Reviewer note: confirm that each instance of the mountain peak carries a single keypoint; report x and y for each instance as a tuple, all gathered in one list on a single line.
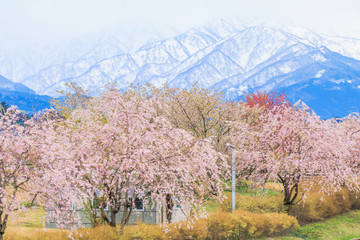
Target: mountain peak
[(229, 55)]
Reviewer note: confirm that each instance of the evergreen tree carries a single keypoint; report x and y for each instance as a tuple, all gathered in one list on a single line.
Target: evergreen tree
[(3, 107)]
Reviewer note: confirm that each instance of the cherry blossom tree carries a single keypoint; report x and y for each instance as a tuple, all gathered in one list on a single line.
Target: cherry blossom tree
[(55, 168), (348, 131), (117, 148), (292, 145), (74, 97), (202, 112), (16, 166)]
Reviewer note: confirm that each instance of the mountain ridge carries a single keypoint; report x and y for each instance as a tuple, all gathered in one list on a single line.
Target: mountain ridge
[(234, 59), (22, 96)]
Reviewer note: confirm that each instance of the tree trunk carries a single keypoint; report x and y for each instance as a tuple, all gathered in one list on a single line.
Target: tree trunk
[(103, 217), (290, 194), (291, 191), (125, 217), (93, 216), (114, 208), (113, 213), (3, 224), (126, 214), (121, 230), (169, 207), (112, 219), (162, 214)]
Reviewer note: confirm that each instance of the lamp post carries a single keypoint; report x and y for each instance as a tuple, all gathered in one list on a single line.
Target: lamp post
[(232, 175)]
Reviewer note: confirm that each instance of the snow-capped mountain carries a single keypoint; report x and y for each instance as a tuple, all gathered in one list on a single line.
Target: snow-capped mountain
[(81, 52), (224, 55)]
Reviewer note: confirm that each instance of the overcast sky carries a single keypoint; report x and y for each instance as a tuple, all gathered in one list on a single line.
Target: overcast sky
[(41, 21)]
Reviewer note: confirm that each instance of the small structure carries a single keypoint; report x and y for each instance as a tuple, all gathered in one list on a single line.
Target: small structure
[(140, 214)]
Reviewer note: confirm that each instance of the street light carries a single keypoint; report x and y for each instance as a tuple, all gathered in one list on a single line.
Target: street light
[(232, 176)]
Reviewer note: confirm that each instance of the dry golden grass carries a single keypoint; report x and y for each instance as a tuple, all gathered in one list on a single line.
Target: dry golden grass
[(341, 227), (260, 204), (25, 233), (274, 186), (30, 225), (142, 231), (33, 218)]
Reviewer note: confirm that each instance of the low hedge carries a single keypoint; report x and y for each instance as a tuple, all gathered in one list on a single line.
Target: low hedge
[(244, 224), (193, 229), (143, 232), (318, 206), (236, 225)]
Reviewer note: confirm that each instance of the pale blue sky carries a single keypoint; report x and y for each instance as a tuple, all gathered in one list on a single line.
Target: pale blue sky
[(41, 21)]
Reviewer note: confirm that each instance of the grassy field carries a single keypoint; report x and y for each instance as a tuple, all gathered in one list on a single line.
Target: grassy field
[(341, 227)]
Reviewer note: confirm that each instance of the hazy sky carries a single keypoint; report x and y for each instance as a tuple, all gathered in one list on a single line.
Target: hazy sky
[(40, 21)]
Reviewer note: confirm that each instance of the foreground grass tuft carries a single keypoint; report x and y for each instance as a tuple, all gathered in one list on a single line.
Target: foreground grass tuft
[(341, 227)]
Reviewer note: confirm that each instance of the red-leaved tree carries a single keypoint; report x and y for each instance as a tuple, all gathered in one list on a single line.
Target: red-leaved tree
[(267, 100)]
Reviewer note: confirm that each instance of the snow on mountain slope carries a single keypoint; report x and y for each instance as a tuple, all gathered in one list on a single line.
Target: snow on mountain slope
[(22, 64), (349, 47), (254, 45), (233, 58), (168, 53), (211, 69), (346, 46)]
